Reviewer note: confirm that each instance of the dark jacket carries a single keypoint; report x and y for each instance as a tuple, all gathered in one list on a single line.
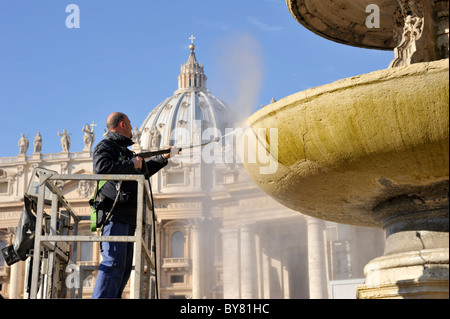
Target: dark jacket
[(112, 156)]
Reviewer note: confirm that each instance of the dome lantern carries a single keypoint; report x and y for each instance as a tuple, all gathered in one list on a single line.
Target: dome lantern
[(192, 76), (183, 118)]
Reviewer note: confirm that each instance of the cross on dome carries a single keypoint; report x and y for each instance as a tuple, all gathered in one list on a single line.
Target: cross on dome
[(192, 46)]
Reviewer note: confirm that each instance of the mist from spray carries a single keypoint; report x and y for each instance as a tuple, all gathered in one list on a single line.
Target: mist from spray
[(250, 246), (239, 73)]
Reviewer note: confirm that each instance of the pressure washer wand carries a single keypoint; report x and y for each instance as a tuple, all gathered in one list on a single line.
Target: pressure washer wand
[(217, 139), (153, 153), (167, 151)]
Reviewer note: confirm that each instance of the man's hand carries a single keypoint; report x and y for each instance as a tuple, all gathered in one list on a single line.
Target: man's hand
[(173, 151), (137, 161)]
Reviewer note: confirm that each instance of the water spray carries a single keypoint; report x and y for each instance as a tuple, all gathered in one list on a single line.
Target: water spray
[(177, 150)]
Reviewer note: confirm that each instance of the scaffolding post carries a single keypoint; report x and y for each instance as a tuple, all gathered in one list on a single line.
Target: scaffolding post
[(48, 242)]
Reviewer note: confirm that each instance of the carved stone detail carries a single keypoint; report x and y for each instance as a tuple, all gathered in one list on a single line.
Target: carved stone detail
[(85, 188), (410, 20), (422, 31)]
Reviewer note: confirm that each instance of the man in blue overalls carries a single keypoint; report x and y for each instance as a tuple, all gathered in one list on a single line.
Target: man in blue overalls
[(112, 156)]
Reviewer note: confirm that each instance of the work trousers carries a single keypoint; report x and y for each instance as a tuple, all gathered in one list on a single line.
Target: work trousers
[(117, 262)]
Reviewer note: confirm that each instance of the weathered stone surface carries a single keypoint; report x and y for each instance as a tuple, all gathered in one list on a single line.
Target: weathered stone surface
[(344, 21), (419, 274), (347, 147), (417, 30)]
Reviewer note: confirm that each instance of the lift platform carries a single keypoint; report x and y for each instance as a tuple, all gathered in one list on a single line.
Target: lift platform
[(54, 270)]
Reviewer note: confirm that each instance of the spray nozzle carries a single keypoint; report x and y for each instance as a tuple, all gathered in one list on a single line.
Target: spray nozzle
[(174, 151)]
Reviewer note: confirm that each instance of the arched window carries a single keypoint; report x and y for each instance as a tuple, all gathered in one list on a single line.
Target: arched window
[(177, 245)]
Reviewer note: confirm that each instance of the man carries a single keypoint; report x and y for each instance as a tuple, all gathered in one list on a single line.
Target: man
[(112, 156)]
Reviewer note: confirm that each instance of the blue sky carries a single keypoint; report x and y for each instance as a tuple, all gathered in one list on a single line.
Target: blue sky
[(126, 56)]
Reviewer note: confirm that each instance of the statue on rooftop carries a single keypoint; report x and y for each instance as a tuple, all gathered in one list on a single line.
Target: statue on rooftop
[(23, 145), (65, 140), (37, 143), (89, 136)]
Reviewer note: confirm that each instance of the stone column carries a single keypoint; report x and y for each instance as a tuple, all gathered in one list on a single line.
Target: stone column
[(14, 281), (285, 269), (231, 286), (316, 259), (247, 263), (197, 284), (266, 274)]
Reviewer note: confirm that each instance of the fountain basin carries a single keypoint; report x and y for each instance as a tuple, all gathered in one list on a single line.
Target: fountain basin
[(344, 21), (347, 147), (417, 30)]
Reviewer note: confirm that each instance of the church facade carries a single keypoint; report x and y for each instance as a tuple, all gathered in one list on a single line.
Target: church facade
[(218, 235)]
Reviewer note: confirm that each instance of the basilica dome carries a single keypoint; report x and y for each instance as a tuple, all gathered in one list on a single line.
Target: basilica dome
[(192, 115)]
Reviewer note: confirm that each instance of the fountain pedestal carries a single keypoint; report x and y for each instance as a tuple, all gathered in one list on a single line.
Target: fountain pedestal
[(371, 150), (416, 260)]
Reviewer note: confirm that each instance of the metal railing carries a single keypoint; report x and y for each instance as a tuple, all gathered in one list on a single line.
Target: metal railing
[(143, 281)]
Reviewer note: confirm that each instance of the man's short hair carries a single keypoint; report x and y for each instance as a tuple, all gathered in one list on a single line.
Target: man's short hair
[(115, 120)]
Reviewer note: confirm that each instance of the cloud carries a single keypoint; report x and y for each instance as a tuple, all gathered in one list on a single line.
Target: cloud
[(264, 26), (240, 71)]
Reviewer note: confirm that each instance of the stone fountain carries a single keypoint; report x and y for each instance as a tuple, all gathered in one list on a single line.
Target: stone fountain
[(371, 150)]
